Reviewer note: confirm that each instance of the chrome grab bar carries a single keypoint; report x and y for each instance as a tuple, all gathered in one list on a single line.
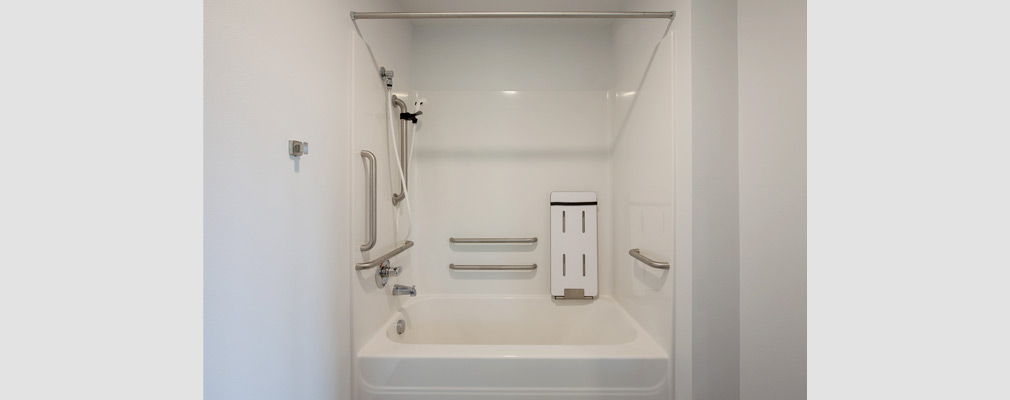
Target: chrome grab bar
[(398, 197), (493, 240), (648, 261), (458, 267), (367, 155), (375, 263)]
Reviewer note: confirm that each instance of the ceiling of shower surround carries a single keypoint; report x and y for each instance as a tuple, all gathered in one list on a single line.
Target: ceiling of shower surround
[(511, 5)]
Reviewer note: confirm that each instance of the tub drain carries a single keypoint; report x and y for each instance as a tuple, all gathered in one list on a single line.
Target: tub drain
[(401, 326)]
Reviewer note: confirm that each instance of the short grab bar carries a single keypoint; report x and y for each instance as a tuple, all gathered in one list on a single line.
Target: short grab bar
[(648, 261), (493, 240), (375, 263), (459, 267)]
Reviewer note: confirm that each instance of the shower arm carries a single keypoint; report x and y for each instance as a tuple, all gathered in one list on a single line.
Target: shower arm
[(398, 197)]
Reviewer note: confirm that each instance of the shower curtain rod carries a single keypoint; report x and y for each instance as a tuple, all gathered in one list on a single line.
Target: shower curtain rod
[(513, 14)]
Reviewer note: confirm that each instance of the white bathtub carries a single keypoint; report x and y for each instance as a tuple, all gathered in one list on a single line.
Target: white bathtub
[(524, 347)]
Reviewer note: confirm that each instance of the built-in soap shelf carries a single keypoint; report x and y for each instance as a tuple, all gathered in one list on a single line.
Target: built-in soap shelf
[(492, 267)]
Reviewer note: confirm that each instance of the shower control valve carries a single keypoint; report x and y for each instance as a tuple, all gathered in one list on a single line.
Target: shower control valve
[(383, 273), (387, 271)]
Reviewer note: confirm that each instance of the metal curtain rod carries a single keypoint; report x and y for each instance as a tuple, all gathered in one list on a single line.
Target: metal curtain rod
[(514, 14)]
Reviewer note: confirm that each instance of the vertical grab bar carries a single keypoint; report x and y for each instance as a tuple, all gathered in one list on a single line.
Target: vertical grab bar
[(367, 155), (398, 197)]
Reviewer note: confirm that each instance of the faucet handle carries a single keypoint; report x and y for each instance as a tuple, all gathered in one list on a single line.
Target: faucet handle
[(383, 273)]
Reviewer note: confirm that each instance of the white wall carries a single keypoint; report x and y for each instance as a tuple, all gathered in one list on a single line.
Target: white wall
[(716, 315), (276, 267), (772, 55)]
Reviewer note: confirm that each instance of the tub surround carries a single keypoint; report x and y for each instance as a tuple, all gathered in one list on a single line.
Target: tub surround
[(504, 127)]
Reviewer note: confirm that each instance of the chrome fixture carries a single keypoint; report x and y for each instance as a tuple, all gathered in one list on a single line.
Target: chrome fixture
[(387, 76), (401, 326), (648, 261), (385, 257), (297, 148), (367, 155), (384, 272), (461, 267), (400, 290), (513, 14), (493, 240)]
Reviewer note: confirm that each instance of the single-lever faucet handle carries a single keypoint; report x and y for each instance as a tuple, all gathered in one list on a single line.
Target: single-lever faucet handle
[(384, 272)]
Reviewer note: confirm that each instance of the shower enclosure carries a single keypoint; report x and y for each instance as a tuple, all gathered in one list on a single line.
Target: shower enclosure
[(514, 109)]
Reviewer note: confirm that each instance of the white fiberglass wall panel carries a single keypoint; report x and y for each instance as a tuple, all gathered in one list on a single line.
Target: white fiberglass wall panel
[(643, 175), (487, 163), (517, 54), (515, 110), (371, 306)]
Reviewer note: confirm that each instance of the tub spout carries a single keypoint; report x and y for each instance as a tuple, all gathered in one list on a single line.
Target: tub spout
[(400, 290)]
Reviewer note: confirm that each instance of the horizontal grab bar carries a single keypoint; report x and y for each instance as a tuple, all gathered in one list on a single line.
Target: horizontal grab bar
[(492, 267), (514, 14), (493, 240), (375, 263), (648, 261)]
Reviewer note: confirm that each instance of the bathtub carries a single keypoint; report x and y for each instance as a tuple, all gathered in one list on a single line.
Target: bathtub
[(525, 347)]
